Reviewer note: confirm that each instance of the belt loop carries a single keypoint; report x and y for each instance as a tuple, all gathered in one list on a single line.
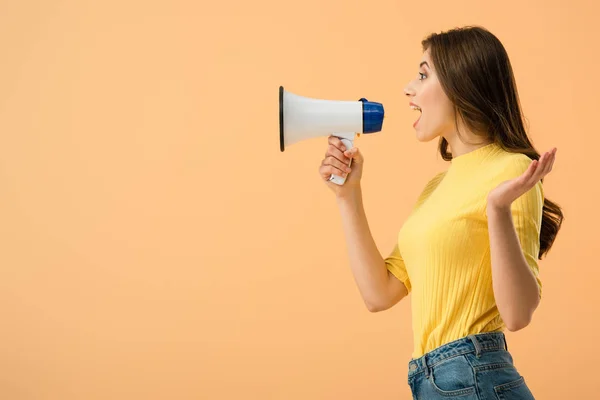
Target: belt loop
[(505, 343), (476, 344), (426, 366)]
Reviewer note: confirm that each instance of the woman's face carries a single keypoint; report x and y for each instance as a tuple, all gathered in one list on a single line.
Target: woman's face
[(436, 110)]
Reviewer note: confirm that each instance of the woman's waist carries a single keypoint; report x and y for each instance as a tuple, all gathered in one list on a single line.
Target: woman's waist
[(473, 343)]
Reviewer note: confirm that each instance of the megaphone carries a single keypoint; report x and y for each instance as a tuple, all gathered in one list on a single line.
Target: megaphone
[(303, 118)]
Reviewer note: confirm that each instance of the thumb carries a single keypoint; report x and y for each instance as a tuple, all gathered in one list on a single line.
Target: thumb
[(355, 154)]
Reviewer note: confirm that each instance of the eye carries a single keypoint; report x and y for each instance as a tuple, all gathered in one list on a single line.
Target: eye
[(422, 76)]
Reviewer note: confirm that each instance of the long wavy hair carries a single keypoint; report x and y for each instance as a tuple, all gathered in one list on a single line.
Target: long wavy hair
[(475, 73)]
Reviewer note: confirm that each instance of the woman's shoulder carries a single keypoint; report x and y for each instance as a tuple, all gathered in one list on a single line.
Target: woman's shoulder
[(513, 164), (434, 182), (430, 186), (437, 177)]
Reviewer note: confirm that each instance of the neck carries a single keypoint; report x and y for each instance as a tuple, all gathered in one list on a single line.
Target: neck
[(459, 148), (472, 160)]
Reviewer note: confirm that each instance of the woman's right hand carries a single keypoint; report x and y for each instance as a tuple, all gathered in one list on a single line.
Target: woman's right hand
[(336, 162)]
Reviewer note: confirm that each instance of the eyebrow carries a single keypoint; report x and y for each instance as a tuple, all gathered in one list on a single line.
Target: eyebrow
[(424, 63)]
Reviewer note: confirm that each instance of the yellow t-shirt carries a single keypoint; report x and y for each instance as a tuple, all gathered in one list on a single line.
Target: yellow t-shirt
[(443, 250)]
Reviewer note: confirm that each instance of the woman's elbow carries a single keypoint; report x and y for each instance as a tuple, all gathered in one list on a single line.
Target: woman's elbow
[(516, 325), (519, 316), (380, 305), (518, 322), (383, 304), (376, 307)]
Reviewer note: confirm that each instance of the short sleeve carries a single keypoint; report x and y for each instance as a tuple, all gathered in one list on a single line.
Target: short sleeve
[(395, 264), (527, 219)]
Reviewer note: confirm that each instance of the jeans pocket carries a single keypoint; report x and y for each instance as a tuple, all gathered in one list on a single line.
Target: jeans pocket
[(515, 390), (453, 377)]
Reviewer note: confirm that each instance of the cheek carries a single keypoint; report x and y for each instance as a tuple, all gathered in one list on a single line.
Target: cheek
[(430, 102), (443, 103), (439, 108), (436, 120)]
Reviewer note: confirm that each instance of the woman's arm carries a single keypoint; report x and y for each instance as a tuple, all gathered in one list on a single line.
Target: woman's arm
[(379, 289), (515, 287)]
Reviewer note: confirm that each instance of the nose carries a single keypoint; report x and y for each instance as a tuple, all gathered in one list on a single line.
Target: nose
[(408, 90)]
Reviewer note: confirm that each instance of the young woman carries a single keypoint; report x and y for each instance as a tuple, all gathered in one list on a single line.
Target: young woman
[(468, 251)]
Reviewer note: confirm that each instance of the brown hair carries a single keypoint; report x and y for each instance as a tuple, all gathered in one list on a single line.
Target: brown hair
[(475, 73)]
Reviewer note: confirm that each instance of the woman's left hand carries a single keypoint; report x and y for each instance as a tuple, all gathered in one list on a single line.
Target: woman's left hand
[(508, 191)]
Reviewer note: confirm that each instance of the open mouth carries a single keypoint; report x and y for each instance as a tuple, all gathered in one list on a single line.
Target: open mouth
[(415, 107)]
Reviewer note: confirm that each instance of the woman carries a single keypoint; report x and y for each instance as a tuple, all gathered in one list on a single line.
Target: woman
[(468, 251)]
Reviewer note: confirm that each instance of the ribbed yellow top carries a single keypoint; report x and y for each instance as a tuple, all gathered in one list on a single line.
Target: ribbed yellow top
[(443, 249)]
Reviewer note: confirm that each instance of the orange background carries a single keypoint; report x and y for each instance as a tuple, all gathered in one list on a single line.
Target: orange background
[(156, 244)]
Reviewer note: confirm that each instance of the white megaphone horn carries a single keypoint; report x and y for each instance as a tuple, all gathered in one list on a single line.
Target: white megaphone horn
[(303, 118)]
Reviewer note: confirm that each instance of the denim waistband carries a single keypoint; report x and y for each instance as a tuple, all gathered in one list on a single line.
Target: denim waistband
[(478, 343)]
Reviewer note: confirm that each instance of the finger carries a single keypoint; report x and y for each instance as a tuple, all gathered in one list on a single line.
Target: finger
[(529, 173), (336, 163), (355, 154), (531, 170), (337, 142), (327, 170), (551, 162), (541, 165), (547, 164), (548, 160), (335, 152)]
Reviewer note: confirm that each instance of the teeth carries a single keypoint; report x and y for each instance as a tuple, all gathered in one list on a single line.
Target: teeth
[(416, 108)]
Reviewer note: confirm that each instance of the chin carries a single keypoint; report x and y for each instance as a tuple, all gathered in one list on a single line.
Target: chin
[(425, 136)]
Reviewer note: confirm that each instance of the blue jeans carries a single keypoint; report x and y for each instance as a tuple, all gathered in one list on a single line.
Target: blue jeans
[(476, 367)]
